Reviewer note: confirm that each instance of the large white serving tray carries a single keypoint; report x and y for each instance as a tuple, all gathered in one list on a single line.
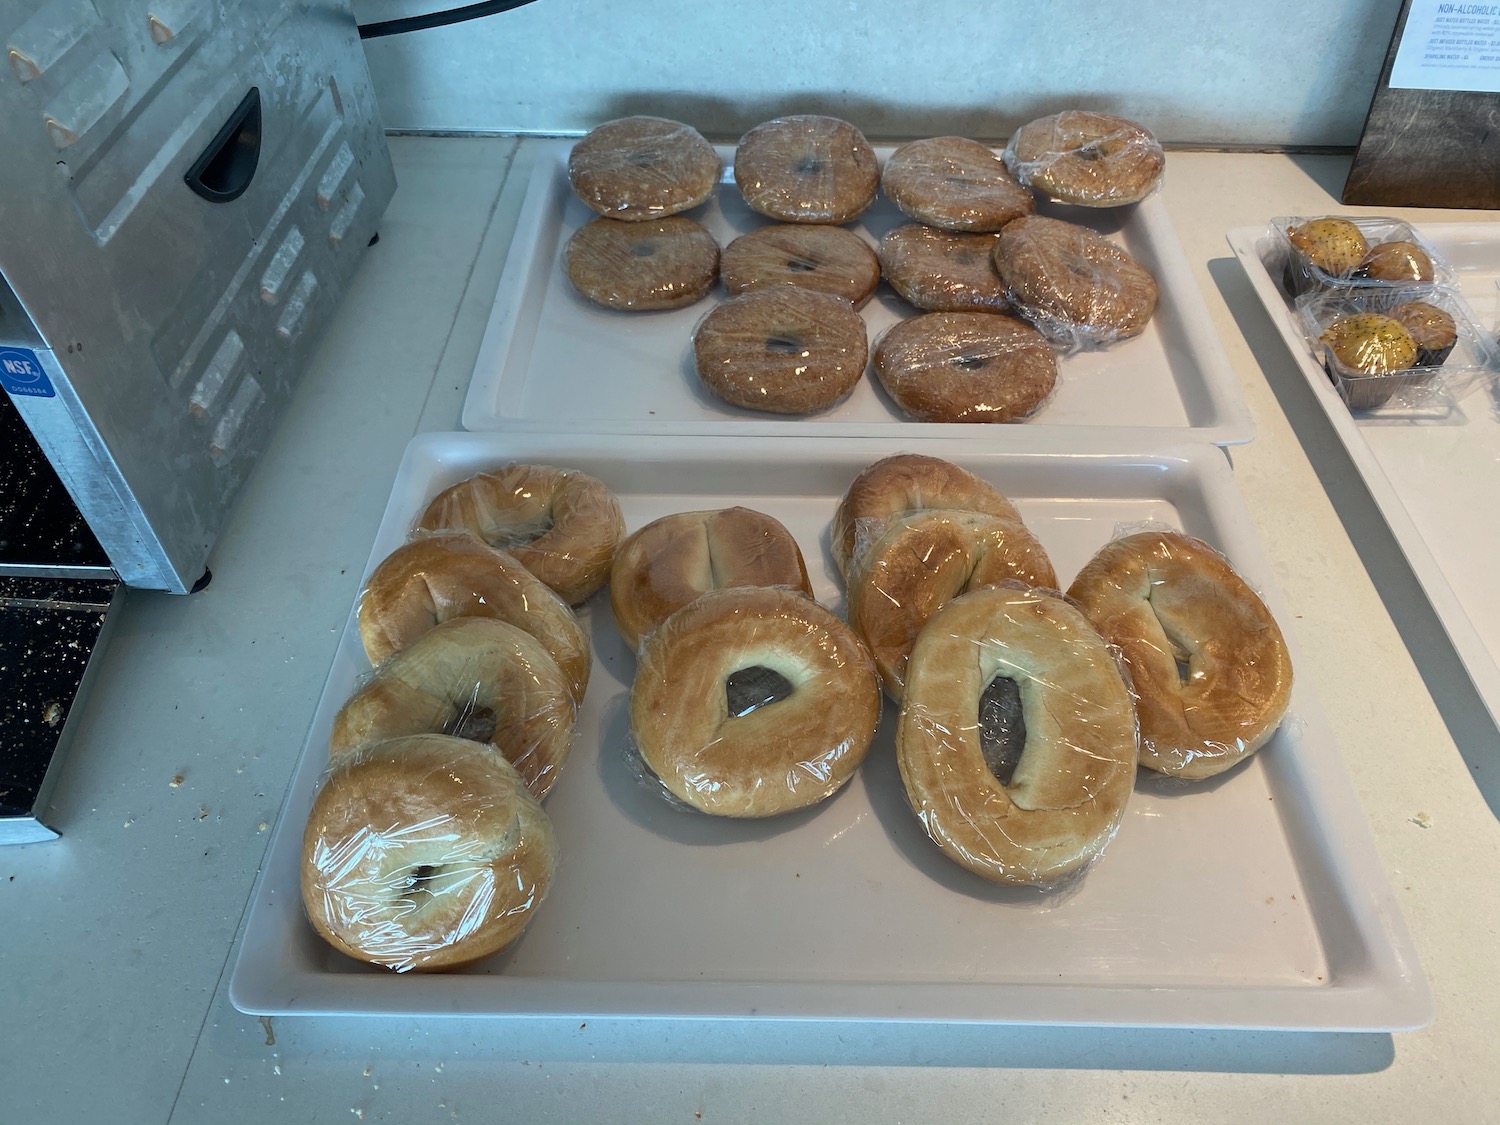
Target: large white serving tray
[(1435, 478), (1255, 900), (552, 360)]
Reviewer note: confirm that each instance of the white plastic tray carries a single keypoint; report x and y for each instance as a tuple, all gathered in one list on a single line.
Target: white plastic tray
[(1425, 473), (553, 361), (1254, 901)]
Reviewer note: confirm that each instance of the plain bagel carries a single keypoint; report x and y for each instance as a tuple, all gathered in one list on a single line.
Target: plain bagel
[(921, 561), (670, 561), (424, 853), (561, 524), (1070, 717), (434, 578), (905, 482), (475, 678), (776, 748), (1209, 663)]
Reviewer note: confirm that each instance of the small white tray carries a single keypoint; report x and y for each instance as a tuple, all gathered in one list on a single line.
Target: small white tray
[(552, 360), (1425, 473), (1253, 901)]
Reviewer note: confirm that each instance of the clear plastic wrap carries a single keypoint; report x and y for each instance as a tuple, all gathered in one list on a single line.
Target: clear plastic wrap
[(907, 567), (825, 259), (807, 168), (1347, 254), (782, 350), (637, 168), (664, 565), (1211, 670), (474, 678), (753, 701), (561, 524), (1399, 349), (1017, 738), (965, 367), (424, 853), (1088, 159), (1078, 288), (955, 184), (442, 575), (943, 270), (637, 267)]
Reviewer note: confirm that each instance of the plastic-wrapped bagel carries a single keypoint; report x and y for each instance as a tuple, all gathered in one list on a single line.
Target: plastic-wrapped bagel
[(636, 168), (1086, 158)]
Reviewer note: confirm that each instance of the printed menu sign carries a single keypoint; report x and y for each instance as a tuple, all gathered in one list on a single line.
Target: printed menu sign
[(1449, 45)]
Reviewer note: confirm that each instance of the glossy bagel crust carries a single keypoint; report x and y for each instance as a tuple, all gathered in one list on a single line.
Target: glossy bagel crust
[(1070, 787), (561, 524), (475, 678), (670, 561), (781, 756), (437, 577), (1208, 661), (424, 853), (905, 482), (925, 559)]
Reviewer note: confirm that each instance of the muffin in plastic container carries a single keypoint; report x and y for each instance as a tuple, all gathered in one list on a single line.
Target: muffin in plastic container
[(1412, 348), (1338, 252)]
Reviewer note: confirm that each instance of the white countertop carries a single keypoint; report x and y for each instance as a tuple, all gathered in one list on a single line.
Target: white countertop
[(119, 938)]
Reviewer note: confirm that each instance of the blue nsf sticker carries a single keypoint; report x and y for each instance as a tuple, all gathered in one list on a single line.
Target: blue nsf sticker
[(21, 373)]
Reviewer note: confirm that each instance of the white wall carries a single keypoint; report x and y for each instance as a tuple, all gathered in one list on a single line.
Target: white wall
[(1253, 72)]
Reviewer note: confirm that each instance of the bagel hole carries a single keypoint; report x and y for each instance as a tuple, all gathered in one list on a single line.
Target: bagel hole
[(801, 265), (641, 160), (473, 722), (643, 249), (749, 689), (1090, 151), (969, 362), (519, 534), (1002, 727), (1184, 668), (808, 166), (420, 880), (783, 345)]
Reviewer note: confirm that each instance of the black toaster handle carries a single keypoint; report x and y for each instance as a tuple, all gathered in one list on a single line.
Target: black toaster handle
[(225, 168)]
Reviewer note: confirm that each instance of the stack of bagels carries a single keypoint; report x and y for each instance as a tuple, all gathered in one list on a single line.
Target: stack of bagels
[(998, 289), (427, 846)]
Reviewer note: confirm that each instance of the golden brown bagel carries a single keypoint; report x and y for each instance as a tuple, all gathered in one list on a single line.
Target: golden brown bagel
[(1068, 791), (437, 577), (561, 524), (955, 184), (636, 168), (1089, 159), (906, 482), (1076, 286), (669, 562), (1208, 661), (475, 678), (781, 755), (925, 559), (424, 853)]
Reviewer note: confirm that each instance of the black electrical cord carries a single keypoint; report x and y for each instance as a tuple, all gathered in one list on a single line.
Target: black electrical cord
[(438, 19)]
